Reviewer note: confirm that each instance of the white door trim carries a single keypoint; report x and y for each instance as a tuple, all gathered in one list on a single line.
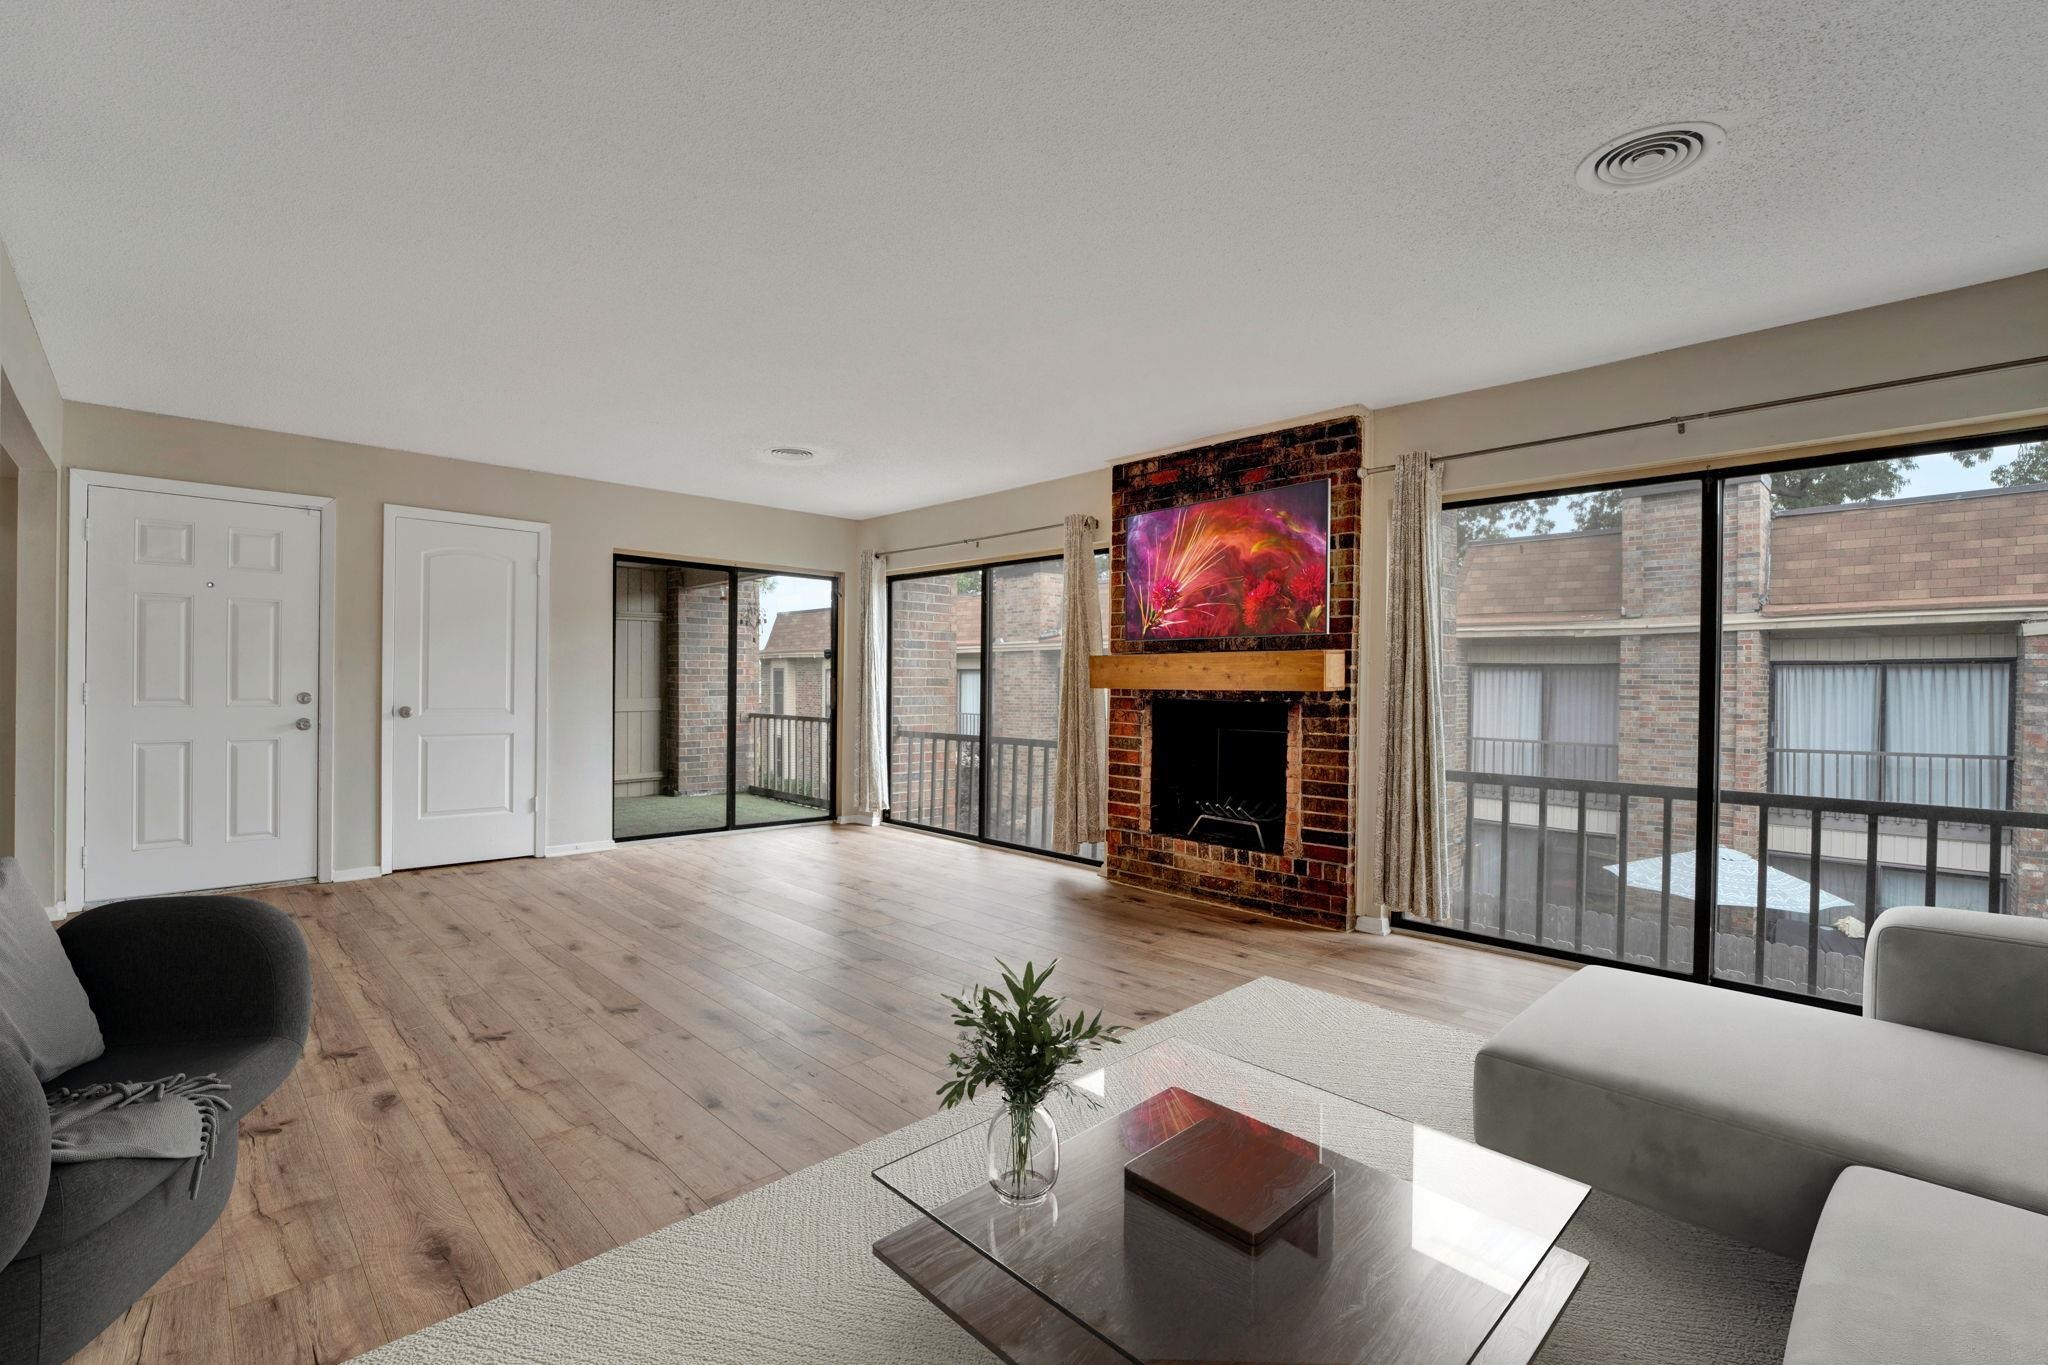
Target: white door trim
[(71, 881), (392, 512)]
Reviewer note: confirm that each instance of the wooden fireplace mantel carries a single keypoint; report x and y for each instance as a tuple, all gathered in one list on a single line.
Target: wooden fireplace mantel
[(1263, 670)]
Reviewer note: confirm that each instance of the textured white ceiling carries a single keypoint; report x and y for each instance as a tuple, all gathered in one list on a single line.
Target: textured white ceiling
[(961, 246)]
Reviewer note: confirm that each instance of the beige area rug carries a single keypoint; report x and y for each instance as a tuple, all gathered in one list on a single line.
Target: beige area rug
[(784, 1273)]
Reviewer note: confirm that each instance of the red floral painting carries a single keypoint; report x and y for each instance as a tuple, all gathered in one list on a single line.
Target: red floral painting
[(1255, 564)]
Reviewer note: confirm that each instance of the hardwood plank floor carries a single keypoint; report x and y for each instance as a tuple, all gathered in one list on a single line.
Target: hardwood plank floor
[(515, 1066)]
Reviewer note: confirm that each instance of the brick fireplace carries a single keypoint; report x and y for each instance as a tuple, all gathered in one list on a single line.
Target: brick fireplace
[(1255, 749)]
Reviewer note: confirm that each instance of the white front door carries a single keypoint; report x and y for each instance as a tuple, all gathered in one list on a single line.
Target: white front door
[(202, 656), (463, 660)]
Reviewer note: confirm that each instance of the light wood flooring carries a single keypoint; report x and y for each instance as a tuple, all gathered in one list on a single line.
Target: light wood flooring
[(515, 1066)]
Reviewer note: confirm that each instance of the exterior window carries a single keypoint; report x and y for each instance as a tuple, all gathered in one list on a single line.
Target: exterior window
[(1545, 720), (970, 699), (974, 721), (1716, 725), (1934, 734)]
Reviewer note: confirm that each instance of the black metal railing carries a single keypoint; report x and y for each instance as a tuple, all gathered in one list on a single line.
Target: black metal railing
[(1545, 758), (935, 780), (790, 757), (1978, 781), (1603, 869)]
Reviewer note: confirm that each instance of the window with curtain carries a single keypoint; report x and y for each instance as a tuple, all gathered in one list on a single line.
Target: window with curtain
[(1545, 720), (1936, 734)]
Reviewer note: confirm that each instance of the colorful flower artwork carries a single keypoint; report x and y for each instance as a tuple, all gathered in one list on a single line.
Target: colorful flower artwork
[(1255, 564)]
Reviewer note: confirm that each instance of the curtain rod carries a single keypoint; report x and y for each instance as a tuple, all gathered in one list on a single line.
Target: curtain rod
[(1680, 422), (973, 540)]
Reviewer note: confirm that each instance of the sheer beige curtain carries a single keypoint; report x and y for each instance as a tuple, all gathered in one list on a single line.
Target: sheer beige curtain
[(1412, 877), (1077, 776), (871, 742)]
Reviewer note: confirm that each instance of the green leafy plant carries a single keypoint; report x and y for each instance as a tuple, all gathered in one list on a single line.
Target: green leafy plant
[(1015, 1041)]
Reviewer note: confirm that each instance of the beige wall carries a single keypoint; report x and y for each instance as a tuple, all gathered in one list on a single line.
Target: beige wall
[(32, 441), (9, 507), (2003, 320), (24, 367), (589, 521), (988, 516)]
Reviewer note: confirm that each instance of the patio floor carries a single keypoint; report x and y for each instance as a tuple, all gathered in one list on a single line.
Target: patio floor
[(633, 816)]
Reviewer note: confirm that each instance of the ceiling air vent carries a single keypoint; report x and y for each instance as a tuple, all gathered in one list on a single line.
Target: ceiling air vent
[(1650, 157), (793, 457)]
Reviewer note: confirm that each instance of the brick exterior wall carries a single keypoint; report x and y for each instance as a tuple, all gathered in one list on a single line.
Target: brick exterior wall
[(1958, 551), (1309, 877), (695, 716), (2029, 891), (1577, 574)]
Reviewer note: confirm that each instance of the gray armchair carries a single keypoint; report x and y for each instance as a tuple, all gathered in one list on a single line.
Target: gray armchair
[(1962, 973), (190, 984)]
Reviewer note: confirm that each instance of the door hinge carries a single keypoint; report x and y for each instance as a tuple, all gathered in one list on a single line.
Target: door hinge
[(532, 804), (81, 855), (85, 529), (85, 694)]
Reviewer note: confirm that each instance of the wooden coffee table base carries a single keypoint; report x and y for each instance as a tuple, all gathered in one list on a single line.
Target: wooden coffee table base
[(1022, 1328)]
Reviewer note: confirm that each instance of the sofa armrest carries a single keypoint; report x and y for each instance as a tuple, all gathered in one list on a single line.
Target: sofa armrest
[(24, 1151), (1960, 972), (191, 968)]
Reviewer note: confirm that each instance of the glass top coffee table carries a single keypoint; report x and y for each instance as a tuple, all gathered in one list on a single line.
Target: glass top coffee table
[(1426, 1248)]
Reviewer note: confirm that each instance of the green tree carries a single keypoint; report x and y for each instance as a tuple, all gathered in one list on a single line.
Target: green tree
[(1836, 484), (2029, 464), (1504, 520)]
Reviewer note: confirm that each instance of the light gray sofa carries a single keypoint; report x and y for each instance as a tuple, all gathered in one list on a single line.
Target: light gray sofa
[(1743, 1114)]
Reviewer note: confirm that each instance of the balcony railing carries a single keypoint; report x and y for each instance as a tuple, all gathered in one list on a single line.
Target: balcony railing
[(1610, 872), (1974, 780), (790, 758), (1546, 758), (935, 780)]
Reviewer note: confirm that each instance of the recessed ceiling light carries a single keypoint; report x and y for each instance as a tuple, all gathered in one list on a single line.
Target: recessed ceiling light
[(1650, 157), (793, 457)]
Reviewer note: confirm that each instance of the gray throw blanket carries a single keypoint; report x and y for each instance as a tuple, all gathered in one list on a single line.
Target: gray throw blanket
[(173, 1117)]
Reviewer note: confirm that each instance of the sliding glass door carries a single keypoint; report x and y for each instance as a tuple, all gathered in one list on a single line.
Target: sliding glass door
[(974, 668), (1837, 662), (724, 697)]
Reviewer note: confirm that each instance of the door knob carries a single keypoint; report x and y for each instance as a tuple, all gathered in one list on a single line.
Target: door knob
[(302, 724), (305, 698), (405, 713)]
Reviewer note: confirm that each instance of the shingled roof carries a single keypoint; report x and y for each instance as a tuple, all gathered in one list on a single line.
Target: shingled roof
[(800, 632)]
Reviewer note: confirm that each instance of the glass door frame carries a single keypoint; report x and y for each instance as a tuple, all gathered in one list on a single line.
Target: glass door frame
[(733, 573), (1709, 803), (986, 658)]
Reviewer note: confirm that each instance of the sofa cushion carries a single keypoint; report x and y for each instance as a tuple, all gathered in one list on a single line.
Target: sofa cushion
[(1902, 1272), (1737, 1113), (85, 1194), (43, 1010)]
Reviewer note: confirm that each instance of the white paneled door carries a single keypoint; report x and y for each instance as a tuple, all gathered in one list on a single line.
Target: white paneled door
[(463, 686), (201, 668)]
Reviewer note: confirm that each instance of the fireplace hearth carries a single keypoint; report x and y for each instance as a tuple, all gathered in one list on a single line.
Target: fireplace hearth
[(1219, 772)]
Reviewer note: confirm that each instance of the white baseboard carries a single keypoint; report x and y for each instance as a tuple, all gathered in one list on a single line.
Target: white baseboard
[(1366, 924), (56, 912), (356, 874), (870, 818), (568, 850)]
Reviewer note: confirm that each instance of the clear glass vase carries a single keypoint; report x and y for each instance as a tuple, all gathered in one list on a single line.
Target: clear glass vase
[(1023, 1154)]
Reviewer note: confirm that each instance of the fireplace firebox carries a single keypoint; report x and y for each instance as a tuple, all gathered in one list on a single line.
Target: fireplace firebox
[(1219, 772)]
